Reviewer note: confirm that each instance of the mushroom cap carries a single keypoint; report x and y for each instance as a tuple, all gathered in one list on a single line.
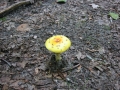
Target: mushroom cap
[(58, 43)]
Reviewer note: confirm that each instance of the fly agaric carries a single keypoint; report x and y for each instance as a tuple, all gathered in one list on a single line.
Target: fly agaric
[(58, 44)]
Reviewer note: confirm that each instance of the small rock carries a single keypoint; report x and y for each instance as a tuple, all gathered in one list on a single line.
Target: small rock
[(14, 64), (81, 38), (72, 47), (94, 6), (35, 37), (101, 50), (12, 46)]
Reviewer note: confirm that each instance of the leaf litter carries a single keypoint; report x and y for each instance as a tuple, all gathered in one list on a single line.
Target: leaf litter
[(94, 6), (94, 53)]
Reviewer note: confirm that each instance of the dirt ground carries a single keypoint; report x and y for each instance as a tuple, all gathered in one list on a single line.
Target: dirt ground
[(95, 49)]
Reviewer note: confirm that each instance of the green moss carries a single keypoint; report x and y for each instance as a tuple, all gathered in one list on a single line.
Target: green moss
[(3, 19)]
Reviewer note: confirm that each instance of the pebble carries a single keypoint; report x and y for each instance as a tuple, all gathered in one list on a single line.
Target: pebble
[(35, 37)]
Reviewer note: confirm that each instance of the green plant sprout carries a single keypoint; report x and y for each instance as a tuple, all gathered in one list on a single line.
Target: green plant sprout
[(114, 15)]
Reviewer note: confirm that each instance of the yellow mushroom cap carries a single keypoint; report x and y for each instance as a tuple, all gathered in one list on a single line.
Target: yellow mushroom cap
[(58, 43)]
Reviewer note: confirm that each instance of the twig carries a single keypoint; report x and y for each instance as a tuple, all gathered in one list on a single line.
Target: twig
[(13, 7), (92, 50), (70, 68), (66, 79), (9, 64), (5, 72)]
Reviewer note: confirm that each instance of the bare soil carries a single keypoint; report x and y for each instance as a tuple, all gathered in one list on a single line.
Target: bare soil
[(95, 49)]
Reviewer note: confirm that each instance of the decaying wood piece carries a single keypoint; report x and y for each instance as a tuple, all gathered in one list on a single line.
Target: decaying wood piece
[(13, 7)]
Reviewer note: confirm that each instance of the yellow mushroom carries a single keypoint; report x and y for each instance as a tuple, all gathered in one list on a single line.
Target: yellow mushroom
[(58, 44)]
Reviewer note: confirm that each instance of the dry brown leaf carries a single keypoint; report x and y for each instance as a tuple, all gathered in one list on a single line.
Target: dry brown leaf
[(15, 84), (23, 28), (4, 79), (36, 70), (5, 87), (79, 68)]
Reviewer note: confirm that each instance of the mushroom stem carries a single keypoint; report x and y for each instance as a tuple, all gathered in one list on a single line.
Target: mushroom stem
[(57, 56)]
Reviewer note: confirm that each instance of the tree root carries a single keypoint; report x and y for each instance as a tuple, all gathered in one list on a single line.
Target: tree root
[(13, 7)]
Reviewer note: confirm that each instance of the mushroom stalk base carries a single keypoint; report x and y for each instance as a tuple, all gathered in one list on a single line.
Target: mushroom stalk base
[(57, 56), (54, 65)]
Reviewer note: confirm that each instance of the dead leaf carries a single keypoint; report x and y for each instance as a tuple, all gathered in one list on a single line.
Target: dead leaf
[(63, 84), (43, 82), (101, 50), (23, 64), (42, 67), (30, 87), (4, 79), (88, 56), (14, 54), (3, 5), (93, 64), (79, 68), (5, 87), (92, 71), (23, 28), (36, 70), (15, 84), (94, 6), (99, 68), (117, 86), (103, 21), (80, 56), (11, 25)]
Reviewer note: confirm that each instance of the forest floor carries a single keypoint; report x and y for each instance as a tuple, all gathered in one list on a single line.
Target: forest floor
[(95, 48)]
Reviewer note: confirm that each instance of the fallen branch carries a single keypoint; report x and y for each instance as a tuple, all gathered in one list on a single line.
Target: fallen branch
[(13, 7)]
